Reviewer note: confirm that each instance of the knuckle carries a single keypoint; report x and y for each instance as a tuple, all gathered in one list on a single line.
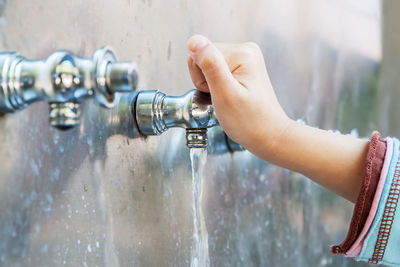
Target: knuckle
[(253, 46), (189, 60), (250, 49), (209, 63), (200, 84)]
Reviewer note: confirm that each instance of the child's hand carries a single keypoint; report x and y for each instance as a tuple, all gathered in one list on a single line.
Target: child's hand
[(242, 94), (249, 112)]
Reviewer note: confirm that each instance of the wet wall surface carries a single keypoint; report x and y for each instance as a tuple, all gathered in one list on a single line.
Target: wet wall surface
[(92, 196)]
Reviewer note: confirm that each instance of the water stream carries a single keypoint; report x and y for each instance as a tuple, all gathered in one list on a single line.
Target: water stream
[(199, 253)]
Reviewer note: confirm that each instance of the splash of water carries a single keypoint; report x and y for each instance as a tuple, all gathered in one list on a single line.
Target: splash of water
[(200, 256)]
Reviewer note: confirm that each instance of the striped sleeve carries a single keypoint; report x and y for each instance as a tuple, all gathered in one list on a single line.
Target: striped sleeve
[(382, 242), (374, 233)]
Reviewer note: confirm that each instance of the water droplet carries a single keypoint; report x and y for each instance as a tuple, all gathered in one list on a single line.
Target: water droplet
[(49, 198), (354, 133), (56, 137), (44, 248), (89, 141)]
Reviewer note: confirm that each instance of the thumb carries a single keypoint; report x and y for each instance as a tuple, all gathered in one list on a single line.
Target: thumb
[(212, 64)]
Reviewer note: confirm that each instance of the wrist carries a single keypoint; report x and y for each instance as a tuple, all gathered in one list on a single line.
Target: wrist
[(272, 139), (282, 137)]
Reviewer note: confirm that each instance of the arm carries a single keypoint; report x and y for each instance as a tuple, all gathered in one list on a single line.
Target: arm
[(335, 161), (251, 115)]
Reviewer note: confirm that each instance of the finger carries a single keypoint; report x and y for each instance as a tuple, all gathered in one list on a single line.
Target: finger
[(212, 64), (198, 78)]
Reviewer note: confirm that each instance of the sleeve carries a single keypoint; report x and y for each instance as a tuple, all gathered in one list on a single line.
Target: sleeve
[(374, 164), (376, 237)]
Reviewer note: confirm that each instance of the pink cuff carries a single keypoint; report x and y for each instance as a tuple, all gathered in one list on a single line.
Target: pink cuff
[(355, 249), (373, 167)]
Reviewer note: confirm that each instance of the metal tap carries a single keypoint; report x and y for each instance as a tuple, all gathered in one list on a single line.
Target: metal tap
[(156, 112), (122, 120), (63, 80)]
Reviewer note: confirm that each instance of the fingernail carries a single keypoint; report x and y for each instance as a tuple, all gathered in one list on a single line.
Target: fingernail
[(197, 42)]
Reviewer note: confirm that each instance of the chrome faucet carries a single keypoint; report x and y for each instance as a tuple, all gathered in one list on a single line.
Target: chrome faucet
[(122, 120), (63, 80), (156, 112)]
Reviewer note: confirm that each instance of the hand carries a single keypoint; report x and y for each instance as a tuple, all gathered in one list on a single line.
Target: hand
[(249, 112), (241, 92)]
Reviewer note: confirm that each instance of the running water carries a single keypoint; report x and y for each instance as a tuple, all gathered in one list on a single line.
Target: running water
[(200, 257)]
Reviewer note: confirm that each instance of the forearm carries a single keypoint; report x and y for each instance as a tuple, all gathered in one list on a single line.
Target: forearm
[(335, 161)]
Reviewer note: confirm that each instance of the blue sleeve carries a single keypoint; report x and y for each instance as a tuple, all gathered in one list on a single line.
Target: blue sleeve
[(382, 243)]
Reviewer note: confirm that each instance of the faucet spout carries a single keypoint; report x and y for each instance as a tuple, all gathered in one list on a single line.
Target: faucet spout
[(196, 138)]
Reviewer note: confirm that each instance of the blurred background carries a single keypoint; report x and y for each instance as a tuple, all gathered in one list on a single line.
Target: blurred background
[(85, 197)]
